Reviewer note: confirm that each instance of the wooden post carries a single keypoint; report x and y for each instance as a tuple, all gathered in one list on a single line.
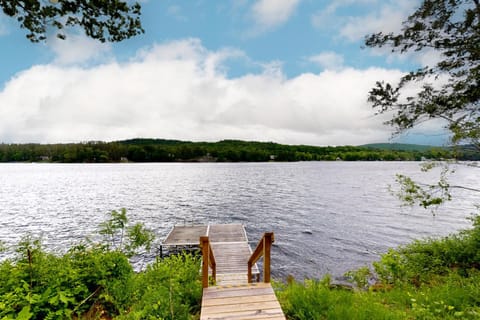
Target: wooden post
[(212, 263), (204, 245), (263, 249), (267, 244)]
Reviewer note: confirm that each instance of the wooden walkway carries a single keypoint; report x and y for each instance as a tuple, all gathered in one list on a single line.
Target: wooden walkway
[(248, 301), (231, 251), (229, 261)]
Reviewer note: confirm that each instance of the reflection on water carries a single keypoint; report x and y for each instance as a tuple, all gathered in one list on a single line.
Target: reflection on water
[(328, 217)]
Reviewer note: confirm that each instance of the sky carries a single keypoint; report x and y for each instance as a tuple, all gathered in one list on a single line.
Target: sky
[(286, 71)]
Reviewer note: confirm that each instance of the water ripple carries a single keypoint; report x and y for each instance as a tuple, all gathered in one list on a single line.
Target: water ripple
[(327, 216)]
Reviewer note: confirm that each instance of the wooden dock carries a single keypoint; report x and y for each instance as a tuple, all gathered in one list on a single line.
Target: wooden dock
[(230, 265), (248, 301)]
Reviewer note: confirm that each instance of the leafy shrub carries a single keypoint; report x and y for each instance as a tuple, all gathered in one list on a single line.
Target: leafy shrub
[(428, 279), (421, 260), (52, 287), (168, 289), (97, 281), (315, 299), (359, 277), (122, 237)]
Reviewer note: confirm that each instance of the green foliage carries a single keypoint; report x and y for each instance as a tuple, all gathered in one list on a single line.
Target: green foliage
[(391, 267), (157, 150), (451, 28), (412, 192), (315, 300), (429, 279), (448, 90), (359, 277), (97, 281), (51, 287), (168, 289), (427, 195), (121, 237), (138, 237), (400, 147), (422, 260), (111, 20)]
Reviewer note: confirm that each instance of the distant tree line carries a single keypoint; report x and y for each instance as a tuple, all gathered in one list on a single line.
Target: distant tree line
[(160, 150)]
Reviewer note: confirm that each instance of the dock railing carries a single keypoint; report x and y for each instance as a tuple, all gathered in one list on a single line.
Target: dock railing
[(263, 249), (208, 260)]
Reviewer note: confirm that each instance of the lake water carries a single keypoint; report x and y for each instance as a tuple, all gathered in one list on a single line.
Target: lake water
[(328, 217)]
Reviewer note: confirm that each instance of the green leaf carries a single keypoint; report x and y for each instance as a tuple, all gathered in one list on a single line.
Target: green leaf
[(25, 314)]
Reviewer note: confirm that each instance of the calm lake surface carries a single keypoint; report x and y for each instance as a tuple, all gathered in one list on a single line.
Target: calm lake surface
[(328, 217)]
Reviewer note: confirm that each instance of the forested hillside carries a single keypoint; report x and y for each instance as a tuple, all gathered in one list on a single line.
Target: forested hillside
[(160, 150)]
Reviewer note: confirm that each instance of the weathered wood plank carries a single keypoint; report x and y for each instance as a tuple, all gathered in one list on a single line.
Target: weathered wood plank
[(231, 258), (236, 293), (235, 300), (256, 301), (263, 317), (242, 286), (227, 233), (185, 235), (244, 315), (232, 278), (241, 307)]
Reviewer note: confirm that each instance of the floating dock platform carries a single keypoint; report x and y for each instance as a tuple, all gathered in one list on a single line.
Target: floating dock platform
[(229, 244)]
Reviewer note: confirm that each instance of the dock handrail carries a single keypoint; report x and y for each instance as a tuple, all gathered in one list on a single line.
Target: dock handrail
[(263, 249), (208, 260)]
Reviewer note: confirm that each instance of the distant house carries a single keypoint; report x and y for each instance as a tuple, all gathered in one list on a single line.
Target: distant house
[(123, 159), (273, 157), (44, 158)]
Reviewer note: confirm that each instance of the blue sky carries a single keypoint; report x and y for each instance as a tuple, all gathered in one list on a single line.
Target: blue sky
[(288, 71)]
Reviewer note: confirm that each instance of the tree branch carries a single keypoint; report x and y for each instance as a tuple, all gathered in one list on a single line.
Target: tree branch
[(465, 188)]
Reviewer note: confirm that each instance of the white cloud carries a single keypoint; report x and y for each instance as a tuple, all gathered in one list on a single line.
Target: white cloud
[(328, 16), (177, 90), (387, 18), (77, 48), (269, 14), (328, 60)]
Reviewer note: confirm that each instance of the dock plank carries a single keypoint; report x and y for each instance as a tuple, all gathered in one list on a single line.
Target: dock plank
[(232, 258), (185, 235), (227, 233), (254, 301)]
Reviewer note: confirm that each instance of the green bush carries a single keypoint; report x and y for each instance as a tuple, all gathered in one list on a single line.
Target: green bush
[(97, 281), (421, 260), (168, 289), (427, 279), (317, 300), (52, 287)]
